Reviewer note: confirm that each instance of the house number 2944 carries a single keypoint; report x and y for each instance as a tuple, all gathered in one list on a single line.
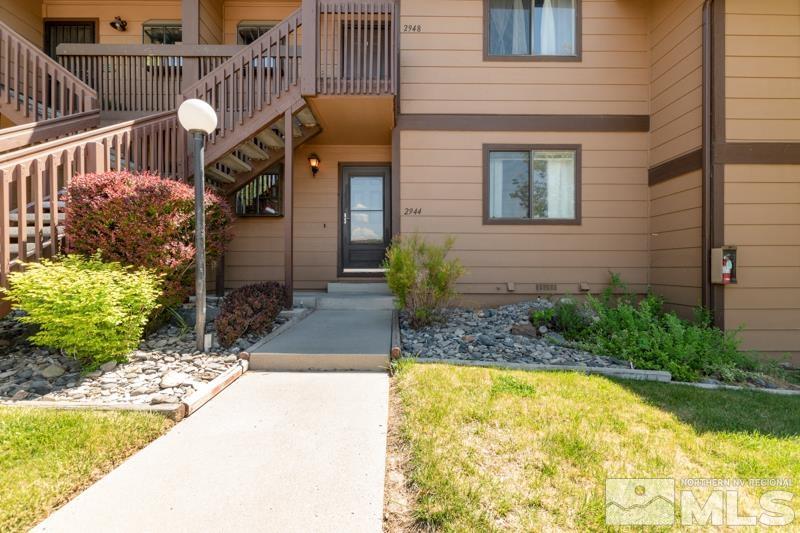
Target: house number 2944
[(412, 211), (412, 28)]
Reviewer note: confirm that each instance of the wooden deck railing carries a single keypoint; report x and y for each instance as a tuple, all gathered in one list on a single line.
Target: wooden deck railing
[(40, 131), (33, 87), (31, 211), (356, 46), (244, 89), (137, 79)]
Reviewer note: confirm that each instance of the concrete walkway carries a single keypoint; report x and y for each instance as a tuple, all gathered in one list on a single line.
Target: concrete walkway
[(278, 452)]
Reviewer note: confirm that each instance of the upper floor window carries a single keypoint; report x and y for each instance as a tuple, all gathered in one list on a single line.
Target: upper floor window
[(532, 184), (248, 31), (162, 33), (533, 29)]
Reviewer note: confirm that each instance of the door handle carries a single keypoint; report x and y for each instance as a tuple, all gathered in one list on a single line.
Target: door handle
[(345, 217)]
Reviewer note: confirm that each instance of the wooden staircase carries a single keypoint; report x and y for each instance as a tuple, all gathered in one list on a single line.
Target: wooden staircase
[(258, 154), (251, 92)]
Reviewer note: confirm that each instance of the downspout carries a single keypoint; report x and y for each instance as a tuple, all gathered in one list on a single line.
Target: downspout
[(708, 156)]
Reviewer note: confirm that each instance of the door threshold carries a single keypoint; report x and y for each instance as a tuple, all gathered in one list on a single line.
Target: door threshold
[(370, 272)]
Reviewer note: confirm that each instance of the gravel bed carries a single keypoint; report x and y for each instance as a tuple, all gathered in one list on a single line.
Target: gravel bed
[(165, 369), (485, 335)]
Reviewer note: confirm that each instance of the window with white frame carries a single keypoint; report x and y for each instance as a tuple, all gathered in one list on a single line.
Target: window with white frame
[(162, 32), (532, 29), (530, 184)]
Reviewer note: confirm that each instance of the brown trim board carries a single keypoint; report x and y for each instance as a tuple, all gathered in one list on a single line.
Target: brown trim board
[(676, 167), (715, 179), (767, 153), (438, 122)]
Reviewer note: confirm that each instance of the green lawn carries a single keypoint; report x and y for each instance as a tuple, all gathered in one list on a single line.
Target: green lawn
[(522, 451), (46, 456)]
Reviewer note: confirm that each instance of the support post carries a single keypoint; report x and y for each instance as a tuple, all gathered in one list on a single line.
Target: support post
[(308, 76), (288, 233), (190, 34), (200, 242), (220, 283), (95, 158)]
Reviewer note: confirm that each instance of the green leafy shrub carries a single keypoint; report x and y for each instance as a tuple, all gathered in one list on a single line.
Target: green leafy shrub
[(566, 316), (542, 317), (614, 324), (421, 277), (249, 309), (91, 310), (653, 339), (147, 221)]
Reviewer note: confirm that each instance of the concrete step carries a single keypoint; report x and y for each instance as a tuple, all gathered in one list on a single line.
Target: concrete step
[(357, 287), (292, 362), (355, 302)]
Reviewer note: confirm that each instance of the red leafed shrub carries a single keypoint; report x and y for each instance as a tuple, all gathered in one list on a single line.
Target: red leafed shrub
[(249, 309), (144, 220)]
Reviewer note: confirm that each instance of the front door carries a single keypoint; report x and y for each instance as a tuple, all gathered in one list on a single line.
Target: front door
[(365, 218)]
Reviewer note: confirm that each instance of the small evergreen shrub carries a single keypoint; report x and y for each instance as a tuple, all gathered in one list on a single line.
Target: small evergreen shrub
[(91, 310), (421, 277), (249, 309), (145, 221)]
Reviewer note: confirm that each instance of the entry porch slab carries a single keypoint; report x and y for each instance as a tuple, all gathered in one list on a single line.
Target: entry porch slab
[(340, 339)]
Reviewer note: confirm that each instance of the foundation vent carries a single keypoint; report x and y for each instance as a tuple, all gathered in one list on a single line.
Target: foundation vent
[(546, 287)]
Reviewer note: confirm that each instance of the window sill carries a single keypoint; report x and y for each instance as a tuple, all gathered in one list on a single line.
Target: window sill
[(531, 222), (534, 59)]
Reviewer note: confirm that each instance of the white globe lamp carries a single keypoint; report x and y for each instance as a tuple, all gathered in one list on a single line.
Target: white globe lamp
[(199, 119)]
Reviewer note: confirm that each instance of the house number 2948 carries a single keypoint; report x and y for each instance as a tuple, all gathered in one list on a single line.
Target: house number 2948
[(412, 28), (412, 211)]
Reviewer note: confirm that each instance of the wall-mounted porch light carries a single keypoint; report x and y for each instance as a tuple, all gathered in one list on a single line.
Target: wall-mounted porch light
[(313, 162), (119, 24)]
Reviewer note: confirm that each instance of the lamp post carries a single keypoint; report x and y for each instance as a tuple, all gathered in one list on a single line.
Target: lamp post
[(199, 119)]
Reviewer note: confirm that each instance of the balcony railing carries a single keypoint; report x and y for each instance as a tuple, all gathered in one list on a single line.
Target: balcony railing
[(33, 86), (344, 48), (135, 80), (356, 46)]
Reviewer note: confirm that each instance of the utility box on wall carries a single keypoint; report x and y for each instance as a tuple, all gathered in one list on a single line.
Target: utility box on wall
[(723, 265)]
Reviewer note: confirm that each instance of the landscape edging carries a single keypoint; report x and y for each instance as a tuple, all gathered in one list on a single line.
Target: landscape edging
[(173, 411), (629, 373), (200, 397), (723, 386)]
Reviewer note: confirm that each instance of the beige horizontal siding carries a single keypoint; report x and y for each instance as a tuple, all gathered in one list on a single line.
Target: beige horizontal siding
[(442, 174), (135, 12), (762, 217), (675, 241), (24, 17), (210, 21), (676, 59), (763, 70), (443, 71), (256, 250)]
